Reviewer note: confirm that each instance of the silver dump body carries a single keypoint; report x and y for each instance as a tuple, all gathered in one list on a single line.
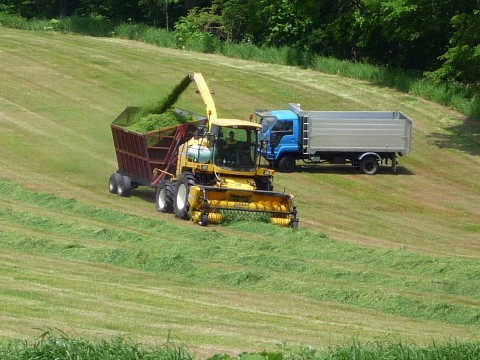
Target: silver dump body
[(355, 131)]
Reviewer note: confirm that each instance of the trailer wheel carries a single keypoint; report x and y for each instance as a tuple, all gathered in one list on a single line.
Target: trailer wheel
[(124, 186), (181, 206), (369, 165), (113, 183), (287, 164)]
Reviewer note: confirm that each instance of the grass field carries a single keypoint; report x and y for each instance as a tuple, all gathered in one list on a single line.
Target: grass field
[(377, 258)]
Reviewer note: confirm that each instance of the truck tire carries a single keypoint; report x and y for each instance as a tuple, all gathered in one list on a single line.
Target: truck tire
[(181, 206), (368, 165), (164, 197), (124, 186), (287, 164), (113, 183)]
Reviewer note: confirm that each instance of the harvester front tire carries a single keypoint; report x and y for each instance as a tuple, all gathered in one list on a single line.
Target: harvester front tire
[(164, 197), (368, 165), (287, 164), (124, 187), (181, 206), (294, 224), (204, 220), (113, 183)]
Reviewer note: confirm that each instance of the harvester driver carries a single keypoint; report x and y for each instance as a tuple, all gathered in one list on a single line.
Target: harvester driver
[(231, 149), (231, 141)]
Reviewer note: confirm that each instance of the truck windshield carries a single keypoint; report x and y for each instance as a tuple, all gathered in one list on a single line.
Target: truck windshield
[(235, 148), (267, 124), (273, 130)]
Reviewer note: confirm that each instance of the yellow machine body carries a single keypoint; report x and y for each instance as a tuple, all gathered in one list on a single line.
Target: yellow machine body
[(235, 184)]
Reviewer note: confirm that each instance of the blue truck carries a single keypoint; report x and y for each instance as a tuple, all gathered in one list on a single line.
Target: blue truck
[(364, 139)]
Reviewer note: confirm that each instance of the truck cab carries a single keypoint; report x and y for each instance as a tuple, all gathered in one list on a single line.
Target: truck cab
[(280, 132)]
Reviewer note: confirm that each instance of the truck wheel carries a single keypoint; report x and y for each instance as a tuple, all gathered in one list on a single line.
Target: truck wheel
[(164, 197), (287, 164), (124, 186), (181, 206), (113, 183), (369, 165)]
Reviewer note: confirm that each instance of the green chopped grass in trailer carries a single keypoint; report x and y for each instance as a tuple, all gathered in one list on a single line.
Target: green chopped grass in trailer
[(152, 122)]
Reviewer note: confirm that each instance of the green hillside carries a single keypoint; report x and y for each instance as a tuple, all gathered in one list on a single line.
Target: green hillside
[(377, 258)]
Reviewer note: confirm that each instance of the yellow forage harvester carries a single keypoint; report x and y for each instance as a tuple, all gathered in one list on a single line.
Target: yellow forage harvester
[(203, 170)]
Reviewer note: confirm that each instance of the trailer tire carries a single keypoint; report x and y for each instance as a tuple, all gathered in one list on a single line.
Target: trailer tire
[(164, 197), (287, 163), (369, 165), (181, 206), (113, 183), (124, 187)]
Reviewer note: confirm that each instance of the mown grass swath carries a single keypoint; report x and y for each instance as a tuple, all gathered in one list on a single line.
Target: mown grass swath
[(302, 263)]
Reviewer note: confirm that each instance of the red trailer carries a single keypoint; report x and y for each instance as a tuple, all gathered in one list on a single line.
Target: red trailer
[(146, 159)]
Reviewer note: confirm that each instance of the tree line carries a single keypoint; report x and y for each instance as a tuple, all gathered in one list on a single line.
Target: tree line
[(440, 38)]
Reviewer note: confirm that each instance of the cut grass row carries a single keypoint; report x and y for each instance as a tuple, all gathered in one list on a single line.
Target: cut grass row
[(302, 263)]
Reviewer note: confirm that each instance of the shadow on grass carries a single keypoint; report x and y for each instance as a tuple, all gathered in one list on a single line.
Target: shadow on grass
[(464, 137), (145, 194), (148, 195), (350, 170)]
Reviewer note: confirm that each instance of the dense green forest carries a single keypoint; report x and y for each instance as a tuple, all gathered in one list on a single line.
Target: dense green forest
[(437, 38)]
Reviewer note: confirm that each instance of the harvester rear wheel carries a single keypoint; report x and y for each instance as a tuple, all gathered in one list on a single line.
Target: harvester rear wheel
[(164, 197), (181, 206), (113, 183), (124, 187)]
